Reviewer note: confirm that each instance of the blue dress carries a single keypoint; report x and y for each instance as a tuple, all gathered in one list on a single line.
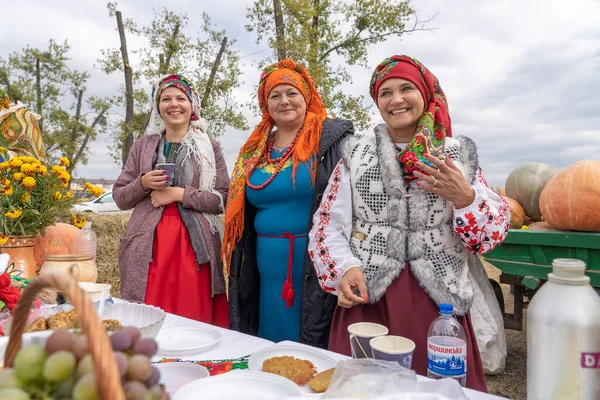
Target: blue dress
[(282, 207)]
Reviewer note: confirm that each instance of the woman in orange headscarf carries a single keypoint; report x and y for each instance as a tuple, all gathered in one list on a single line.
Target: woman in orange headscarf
[(277, 184)]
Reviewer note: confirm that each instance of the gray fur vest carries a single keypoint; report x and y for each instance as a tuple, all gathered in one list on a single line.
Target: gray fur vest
[(395, 224)]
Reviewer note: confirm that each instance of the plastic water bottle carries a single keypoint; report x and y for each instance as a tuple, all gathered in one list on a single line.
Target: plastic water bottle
[(446, 347), (85, 242), (563, 336)]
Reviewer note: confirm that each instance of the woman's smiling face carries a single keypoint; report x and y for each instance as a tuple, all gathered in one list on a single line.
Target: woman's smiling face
[(400, 104)]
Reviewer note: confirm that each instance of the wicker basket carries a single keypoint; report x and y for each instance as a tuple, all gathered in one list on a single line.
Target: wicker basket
[(108, 380)]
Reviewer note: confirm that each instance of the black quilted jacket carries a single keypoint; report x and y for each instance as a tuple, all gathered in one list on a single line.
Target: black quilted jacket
[(244, 282)]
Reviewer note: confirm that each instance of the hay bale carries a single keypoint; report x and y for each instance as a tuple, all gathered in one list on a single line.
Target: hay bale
[(109, 228)]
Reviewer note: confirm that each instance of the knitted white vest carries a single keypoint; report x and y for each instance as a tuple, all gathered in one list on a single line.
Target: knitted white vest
[(395, 223)]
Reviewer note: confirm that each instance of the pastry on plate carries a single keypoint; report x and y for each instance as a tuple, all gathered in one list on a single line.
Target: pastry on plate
[(298, 370), (320, 382)]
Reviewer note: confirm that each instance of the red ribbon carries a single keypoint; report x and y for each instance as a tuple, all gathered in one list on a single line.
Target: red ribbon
[(288, 294)]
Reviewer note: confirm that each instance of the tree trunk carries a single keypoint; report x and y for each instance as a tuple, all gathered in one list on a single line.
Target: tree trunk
[(313, 52), (128, 129), (213, 72), (38, 93), (167, 60), (75, 159), (280, 30)]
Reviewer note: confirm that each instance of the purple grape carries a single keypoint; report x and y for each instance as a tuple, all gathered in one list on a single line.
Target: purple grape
[(61, 339), (133, 332), (154, 378), (122, 362), (80, 346), (120, 340), (148, 347)]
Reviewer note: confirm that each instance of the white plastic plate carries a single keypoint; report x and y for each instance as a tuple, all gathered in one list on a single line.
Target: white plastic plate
[(236, 385), (186, 341), (321, 361), (175, 375)]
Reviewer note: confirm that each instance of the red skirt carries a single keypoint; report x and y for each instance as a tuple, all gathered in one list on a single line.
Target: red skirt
[(406, 310), (175, 283)]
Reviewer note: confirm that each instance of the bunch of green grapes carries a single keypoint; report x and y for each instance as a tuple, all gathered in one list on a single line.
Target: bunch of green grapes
[(64, 369)]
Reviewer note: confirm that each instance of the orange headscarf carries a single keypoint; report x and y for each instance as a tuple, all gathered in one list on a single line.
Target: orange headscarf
[(306, 148)]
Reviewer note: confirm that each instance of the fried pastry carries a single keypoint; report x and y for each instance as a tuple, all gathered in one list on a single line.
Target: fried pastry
[(320, 382), (60, 320), (298, 370), (111, 324), (37, 325)]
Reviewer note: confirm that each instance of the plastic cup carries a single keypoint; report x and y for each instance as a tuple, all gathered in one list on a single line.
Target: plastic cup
[(393, 348), (360, 335)]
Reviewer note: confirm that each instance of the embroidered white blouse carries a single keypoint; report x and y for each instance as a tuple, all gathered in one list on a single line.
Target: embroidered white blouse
[(481, 226)]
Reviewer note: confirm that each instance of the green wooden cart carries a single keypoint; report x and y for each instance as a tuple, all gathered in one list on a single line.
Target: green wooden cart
[(525, 259)]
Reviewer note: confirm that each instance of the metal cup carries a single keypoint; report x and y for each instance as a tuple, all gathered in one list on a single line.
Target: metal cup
[(169, 168)]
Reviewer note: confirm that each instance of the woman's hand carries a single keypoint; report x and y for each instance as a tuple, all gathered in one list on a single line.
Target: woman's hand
[(164, 197), (352, 280), (447, 181), (155, 180)]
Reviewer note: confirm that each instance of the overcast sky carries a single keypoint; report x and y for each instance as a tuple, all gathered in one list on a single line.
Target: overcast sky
[(522, 77)]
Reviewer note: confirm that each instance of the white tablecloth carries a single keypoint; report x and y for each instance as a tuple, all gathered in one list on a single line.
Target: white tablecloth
[(235, 345)]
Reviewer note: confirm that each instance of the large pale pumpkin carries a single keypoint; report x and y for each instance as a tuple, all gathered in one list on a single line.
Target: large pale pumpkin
[(517, 214), (571, 200), (525, 184), (57, 239)]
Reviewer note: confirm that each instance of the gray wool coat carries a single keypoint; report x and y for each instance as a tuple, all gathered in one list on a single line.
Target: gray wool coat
[(135, 250)]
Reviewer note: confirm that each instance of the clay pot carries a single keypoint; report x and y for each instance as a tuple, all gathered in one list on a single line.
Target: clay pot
[(20, 249), (81, 267)]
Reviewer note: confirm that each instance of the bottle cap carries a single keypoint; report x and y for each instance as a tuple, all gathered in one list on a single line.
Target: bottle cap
[(568, 270), (446, 309)]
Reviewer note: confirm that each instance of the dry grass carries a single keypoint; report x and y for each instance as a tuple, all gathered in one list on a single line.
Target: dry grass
[(512, 384), (109, 229)]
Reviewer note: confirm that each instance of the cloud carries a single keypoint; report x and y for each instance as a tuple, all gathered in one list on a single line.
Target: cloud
[(520, 77)]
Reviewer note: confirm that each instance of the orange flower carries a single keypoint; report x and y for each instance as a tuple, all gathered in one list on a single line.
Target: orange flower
[(64, 161), (14, 214), (3, 239), (27, 169), (78, 220), (57, 195), (25, 197), (28, 183), (41, 169)]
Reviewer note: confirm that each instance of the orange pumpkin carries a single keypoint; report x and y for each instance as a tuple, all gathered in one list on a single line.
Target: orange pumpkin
[(57, 239), (570, 201), (499, 190), (517, 214)]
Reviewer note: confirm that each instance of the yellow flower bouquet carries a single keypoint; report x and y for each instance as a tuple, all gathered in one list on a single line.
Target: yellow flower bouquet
[(32, 195)]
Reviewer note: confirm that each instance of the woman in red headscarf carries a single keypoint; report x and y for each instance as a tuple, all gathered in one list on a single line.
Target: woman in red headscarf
[(277, 184), (404, 215)]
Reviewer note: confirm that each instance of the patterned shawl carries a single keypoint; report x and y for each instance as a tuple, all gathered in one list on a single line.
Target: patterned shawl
[(305, 150), (433, 126)]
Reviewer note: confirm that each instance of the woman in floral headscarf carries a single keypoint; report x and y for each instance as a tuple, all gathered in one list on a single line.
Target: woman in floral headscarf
[(169, 254), (277, 184), (407, 211)]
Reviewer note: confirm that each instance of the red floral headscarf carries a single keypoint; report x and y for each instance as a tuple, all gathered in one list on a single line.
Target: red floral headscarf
[(433, 126)]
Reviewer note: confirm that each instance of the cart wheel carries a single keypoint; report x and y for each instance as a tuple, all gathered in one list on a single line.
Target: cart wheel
[(499, 295)]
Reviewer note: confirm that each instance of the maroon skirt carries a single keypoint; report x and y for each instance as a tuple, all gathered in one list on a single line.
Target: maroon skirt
[(406, 310)]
